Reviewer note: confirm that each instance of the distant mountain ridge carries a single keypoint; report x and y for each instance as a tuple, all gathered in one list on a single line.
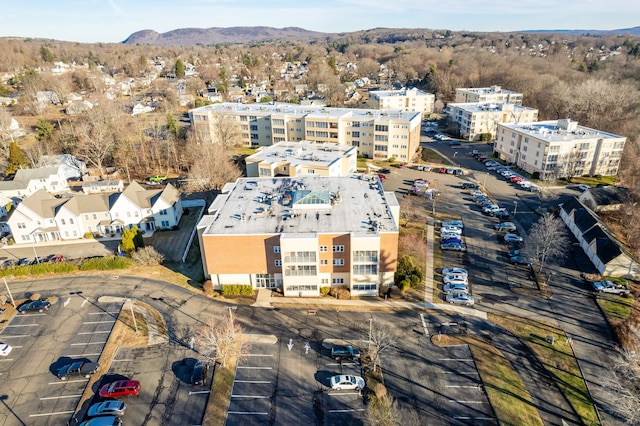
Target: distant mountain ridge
[(218, 35)]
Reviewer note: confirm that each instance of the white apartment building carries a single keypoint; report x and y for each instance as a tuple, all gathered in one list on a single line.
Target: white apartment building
[(472, 120), (302, 158), (379, 134), (559, 148), (406, 99), (302, 234), (491, 94)]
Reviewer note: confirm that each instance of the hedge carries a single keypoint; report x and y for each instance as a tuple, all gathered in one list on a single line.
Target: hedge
[(237, 290), (106, 263)]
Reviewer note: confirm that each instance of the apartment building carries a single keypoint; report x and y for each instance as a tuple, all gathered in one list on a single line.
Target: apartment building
[(406, 99), (559, 148), (379, 134), (302, 234), (302, 158), (473, 120), (493, 94)]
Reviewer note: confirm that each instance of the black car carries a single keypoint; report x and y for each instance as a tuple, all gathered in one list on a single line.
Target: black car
[(36, 305), (521, 260), (199, 376), (385, 171), (78, 368), (470, 185)]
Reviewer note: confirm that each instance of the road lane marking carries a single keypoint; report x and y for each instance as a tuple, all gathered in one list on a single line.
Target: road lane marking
[(95, 332), (344, 363), (22, 325), (51, 414), (198, 392), (247, 413), (60, 382), (260, 354), (6, 336), (88, 343), (99, 322), (460, 372), (350, 410), (253, 381), (60, 397), (456, 359), (465, 402), (81, 355), (103, 313), (257, 368), (461, 386)]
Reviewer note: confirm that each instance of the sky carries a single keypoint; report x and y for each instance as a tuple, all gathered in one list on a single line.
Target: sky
[(112, 21)]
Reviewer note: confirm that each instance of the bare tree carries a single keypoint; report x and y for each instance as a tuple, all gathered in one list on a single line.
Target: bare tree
[(226, 130), (219, 340), (212, 166), (382, 339), (623, 386), (547, 239), (95, 138)]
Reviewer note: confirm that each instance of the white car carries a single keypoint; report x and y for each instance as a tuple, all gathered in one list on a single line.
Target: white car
[(451, 230), (524, 184), (513, 238), (346, 382), (5, 349), (455, 288), (454, 223), (446, 235), (455, 279), (582, 187), (505, 226), (460, 298), (457, 271), (491, 208), (478, 193)]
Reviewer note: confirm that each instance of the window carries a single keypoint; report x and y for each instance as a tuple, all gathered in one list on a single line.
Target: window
[(322, 134), (22, 225), (95, 216), (63, 222), (338, 249), (356, 124), (323, 249), (365, 269), (276, 249), (381, 128), (302, 287), (322, 125), (128, 214), (365, 286), (253, 127), (324, 281), (356, 134), (338, 281), (164, 224), (163, 212), (136, 214), (86, 217), (324, 262), (338, 262), (278, 262), (71, 221), (278, 131), (254, 136)]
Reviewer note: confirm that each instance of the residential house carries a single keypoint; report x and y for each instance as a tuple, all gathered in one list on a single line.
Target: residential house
[(102, 186), (559, 148), (72, 168), (606, 253), (302, 234), (605, 198), (28, 181), (33, 220)]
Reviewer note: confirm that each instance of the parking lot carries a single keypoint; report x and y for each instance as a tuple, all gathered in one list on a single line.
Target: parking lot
[(42, 342)]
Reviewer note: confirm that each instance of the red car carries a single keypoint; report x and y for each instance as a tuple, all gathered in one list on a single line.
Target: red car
[(382, 177), (442, 170), (120, 389)]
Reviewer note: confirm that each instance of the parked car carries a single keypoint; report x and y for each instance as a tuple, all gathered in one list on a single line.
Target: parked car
[(36, 305), (455, 279), (520, 260), (24, 262), (456, 223), (517, 252), (78, 368), (157, 178), (455, 143), (501, 214), (453, 246), (460, 298), (491, 208), (448, 235), (450, 171), (199, 375), (450, 240), (421, 182), (120, 389), (345, 352), (382, 177), (442, 170), (505, 226), (481, 199), (470, 185), (513, 238), (459, 271), (455, 288), (5, 349), (385, 170), (582, 187), (451, 229), (478, 193), (346, 382), (103, 421), (107, 408), (610, 287), (533, 188), (56, 258), (458, 172)]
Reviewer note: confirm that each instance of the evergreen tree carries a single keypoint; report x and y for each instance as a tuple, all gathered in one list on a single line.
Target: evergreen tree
[(179, 68), (44, 130), (17, 159)]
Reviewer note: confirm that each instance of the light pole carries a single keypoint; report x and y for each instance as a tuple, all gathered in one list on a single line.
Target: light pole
[(34, 246), (131, 301), (370, 327), (9, 291), (515, 208)]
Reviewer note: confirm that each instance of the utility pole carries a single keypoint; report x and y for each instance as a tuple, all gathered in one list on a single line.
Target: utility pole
[(9, 291)]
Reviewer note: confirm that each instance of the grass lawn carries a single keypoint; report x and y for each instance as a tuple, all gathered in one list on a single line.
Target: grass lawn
[(592, 181), (616, 308), (558, 359), (431, 156), (510, 400), (220, 396)]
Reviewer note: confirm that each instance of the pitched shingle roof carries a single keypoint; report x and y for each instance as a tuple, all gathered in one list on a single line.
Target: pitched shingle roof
[(43, 204)]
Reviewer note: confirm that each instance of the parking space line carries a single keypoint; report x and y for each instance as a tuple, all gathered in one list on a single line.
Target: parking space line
[(95, 332), (344, 363), (340, 393), (122, 360), (349, 410), (17, 347), (198, 392), (474, 418), (88, 343), (61, 382), (103, 313), (253, 381), (22, 325), (32, 315), (465, 402), (461, 386), (60, 397), (6, 336), (260, 354), (99, 322), (250, 396), (6, 359), (460, 372), (247, 412), (456, 359), (256, 368), (51, 414), (81, 355)]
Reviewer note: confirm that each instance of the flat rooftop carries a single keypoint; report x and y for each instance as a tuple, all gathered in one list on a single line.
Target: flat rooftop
[(308, 111), (303, 152), (399, 92), (473, 107), (488, 90), (551, 131), (310, 204)]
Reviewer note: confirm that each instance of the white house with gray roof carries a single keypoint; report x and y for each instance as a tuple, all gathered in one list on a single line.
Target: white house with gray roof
[(28, 181), (44, 217)]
